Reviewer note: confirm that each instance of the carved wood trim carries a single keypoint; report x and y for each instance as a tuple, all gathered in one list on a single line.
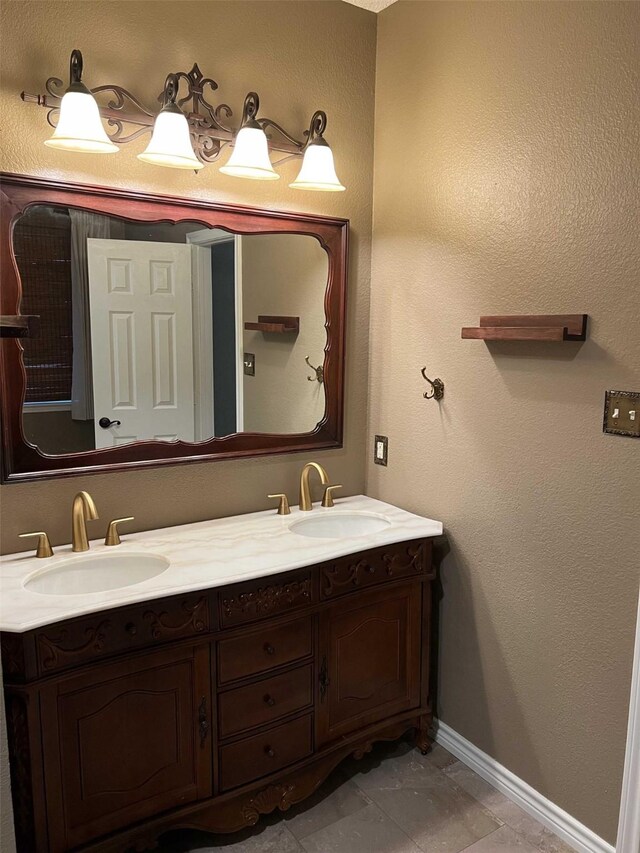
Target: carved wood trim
[(196, 618), (266, 600), (53, 652), (23, 757), (396, 561), (13, 662), (270, 798)]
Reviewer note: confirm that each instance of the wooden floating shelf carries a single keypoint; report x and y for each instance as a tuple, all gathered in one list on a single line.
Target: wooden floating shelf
[(19, 326), (529, 327), (276, 325)]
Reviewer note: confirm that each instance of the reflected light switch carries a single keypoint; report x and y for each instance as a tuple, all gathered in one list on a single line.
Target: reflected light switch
[(621, 413)]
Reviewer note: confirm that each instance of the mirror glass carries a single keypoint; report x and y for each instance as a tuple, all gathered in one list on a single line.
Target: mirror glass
[(166, 331)]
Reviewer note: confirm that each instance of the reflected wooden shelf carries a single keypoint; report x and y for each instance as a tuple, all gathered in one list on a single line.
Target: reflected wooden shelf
[(19, 326), (529, 327), (274, 324)]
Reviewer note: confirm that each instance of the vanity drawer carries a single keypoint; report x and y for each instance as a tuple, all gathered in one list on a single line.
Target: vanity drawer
[(257, 599), (264, 701), (257, 756), (78, 641), (271, 646), (369, 568)]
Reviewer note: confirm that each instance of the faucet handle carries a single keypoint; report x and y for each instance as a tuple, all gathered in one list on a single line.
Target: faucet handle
[(283, 506), (44, 548), (113, 537), (327, 498)]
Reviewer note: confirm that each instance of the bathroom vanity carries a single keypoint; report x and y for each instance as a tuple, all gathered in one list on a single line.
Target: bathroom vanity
[(228, 685)]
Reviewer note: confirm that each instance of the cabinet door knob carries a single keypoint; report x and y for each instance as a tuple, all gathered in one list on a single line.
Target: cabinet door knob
[(269, 700), (269, 649), (269, 751), (131, 629)]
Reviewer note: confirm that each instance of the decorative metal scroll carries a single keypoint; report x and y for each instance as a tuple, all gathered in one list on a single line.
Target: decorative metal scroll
[(128, 119)]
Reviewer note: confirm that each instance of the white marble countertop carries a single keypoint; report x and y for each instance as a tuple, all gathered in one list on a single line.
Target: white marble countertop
[(202, 555)]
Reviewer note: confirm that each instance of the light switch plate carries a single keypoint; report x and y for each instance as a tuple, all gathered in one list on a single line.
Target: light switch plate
[(622, 413), (380, 449)]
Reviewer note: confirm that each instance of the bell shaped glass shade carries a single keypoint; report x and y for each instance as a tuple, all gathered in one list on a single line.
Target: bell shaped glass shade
[(79, 126), (317, 171), (170, 143), (250, 155)]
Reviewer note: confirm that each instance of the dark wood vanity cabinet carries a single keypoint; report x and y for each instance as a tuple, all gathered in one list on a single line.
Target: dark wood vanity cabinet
[(370, 664), (209, 709), (119, 742)]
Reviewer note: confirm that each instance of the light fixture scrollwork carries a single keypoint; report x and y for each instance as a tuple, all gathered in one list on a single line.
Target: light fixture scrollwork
[(188, 132)]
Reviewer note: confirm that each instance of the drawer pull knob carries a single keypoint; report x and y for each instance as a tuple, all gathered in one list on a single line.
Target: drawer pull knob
[(269, 649), (131, 629), (269, 751), (269, 700)]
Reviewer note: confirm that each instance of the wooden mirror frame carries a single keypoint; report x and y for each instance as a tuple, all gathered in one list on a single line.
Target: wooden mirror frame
[(23, 461)]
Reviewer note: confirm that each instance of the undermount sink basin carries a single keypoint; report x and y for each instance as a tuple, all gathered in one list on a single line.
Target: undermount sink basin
[(339, 525), (80, 575)]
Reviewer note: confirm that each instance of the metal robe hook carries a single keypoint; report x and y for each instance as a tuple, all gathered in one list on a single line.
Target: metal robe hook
[(437, 386), (319, 377)]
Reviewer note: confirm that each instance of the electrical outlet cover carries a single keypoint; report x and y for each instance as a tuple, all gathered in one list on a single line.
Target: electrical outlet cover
[(380, 449)]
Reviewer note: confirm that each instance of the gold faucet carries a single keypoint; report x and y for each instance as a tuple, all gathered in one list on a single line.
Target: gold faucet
[(83, 510), (305, 496)]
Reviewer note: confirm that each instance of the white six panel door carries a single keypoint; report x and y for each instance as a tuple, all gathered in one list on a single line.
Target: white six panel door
[(141, 340)]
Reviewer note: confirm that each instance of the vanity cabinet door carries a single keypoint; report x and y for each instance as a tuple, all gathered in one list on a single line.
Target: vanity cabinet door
[(369, 664), (124, 741)]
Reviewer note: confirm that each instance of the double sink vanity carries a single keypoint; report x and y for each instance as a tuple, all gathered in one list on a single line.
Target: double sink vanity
[(196, 676), (203, 675)]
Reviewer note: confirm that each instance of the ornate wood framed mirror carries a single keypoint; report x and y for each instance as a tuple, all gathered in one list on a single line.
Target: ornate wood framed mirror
[(164, 330)]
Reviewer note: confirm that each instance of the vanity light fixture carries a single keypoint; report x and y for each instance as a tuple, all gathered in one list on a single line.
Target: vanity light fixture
[(170, 143), (250, 155), (79, 126), (188, 132), (318, 171)]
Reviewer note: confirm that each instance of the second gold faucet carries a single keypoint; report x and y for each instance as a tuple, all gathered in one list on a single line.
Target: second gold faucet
[(305, 501)]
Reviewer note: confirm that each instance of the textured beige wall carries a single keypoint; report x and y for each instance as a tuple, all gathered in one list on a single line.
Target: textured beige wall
[(506, 181), (286, 275), (299, 57)]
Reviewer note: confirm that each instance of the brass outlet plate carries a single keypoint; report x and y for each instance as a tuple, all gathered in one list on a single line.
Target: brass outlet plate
[(622, 413)]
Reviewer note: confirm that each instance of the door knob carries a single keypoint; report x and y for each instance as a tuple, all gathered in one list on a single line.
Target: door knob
[(105, 423)]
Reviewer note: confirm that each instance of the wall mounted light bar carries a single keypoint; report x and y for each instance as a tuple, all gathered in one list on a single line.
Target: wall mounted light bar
[(187, 133)]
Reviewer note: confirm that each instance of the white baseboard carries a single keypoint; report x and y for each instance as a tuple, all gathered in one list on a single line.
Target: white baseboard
[(576, 834)]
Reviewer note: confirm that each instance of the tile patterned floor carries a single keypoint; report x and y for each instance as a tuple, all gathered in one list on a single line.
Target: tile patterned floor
[(393, 801)]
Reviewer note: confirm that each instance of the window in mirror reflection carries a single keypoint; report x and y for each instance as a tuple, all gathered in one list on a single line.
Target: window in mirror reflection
[(142, 328)]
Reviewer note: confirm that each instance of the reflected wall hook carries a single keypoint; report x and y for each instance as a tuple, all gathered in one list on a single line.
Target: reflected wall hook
[(437, 385), (319, 377)]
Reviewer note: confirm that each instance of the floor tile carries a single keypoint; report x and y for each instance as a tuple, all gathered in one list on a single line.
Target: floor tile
[(338, 797), (369, 830), (397, 770), (438, 816), (440, 757), (269, 836), (505, 809), (503, 840)]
